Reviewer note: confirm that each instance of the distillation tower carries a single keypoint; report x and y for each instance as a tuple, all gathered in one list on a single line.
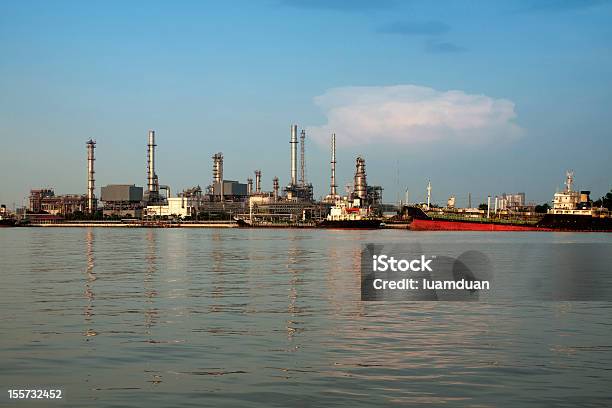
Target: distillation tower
[(152, 180), (91, 199)]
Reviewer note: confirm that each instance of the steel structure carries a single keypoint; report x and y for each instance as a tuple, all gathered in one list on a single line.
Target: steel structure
[(258, 181), (275, 186), (333, 185), (91, 199), (302, 158), (360, 189), (152, 180), (249, 186), (218, 173), (293, 142)]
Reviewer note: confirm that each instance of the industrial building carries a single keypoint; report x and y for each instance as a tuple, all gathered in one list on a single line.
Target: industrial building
[(36, 199), (44, 201), (122, 200), (232, 190), (510, 201), (174, 207)]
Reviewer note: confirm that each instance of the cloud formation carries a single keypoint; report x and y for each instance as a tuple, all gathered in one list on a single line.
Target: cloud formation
[(410, 114), (431, 30), (415, 28), (560, 5), (340, 5), (440, 47)]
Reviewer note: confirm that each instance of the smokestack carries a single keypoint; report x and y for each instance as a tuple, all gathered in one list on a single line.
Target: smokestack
[(302, 158), (332, 190), (428, 194), (152, 181), (91, 200), (293, 143), (275, 184), (360, 186), (218, 173), (258, 181), (488, 206), (249, 186)]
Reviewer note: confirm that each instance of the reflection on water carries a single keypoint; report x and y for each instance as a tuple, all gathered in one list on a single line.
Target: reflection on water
[(157, 318), (150, 293), (91, 277)]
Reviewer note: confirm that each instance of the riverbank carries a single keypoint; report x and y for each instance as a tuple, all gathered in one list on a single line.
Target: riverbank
[(139, 224), (188, 224)]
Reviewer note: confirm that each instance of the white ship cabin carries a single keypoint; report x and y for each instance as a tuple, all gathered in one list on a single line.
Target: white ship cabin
[(571, 202), (345, 210)]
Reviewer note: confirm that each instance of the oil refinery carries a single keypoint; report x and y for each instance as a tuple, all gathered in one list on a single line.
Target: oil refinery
[(221, 202), (232, 203)]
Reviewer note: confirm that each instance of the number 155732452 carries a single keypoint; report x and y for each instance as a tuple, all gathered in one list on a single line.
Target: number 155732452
[(35, 394)]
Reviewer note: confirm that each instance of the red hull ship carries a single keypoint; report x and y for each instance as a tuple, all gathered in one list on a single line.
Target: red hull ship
[(549, 222), (571, 211), (448, 225)]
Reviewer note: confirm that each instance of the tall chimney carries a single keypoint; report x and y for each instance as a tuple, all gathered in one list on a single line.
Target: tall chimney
[(275, 186), (332, 190), (360, 188), (91, 200), (249, 186), (302, 158), (218, 173), (293, 143), (258, 181), (152, 181)]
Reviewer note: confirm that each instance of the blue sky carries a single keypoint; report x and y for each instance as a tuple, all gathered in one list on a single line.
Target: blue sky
[(480, 97)]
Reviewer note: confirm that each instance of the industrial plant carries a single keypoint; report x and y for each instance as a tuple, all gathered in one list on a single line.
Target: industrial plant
[(227, 201), (257, 203)]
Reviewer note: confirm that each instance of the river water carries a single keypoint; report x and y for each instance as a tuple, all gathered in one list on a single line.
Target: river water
[(233, 317)]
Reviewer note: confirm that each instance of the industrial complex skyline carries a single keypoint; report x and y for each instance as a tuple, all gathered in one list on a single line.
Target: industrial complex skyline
[(477, 98)]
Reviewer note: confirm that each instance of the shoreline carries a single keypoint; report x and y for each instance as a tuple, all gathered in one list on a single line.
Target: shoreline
[(228, 224)]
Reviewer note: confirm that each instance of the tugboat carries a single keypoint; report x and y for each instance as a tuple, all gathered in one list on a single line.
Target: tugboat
[(354, 211), (350, 216)]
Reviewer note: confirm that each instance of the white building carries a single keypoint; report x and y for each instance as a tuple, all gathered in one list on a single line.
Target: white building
[(177, 206)]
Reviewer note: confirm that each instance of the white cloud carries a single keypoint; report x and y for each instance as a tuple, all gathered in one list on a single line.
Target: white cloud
[(409, 114)]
